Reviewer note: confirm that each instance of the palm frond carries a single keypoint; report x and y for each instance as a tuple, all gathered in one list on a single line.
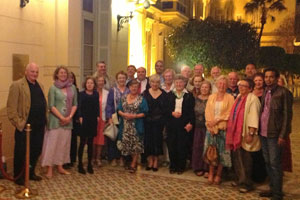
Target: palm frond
[(252, 6), (277, 5)]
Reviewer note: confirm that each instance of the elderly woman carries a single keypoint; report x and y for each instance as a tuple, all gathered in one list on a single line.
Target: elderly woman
[(132, 109), (154, 122), (242, 136), (217, 112), (114, 96), (258, 90), (168, 84), (202, 90), (179, 124), (62, 100)]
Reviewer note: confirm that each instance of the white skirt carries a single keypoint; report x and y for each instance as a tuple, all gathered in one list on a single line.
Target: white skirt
[(56, 147)]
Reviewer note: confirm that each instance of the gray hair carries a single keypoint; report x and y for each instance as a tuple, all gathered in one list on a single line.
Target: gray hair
[(154, 77), (222, 77), (180, 77)]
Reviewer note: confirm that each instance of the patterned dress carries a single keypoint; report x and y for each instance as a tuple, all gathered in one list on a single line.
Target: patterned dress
[(131, 142)]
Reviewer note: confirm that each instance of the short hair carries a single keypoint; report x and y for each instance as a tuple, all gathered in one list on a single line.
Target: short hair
[(169, 71), (154, 77), (142, 68), (250, 82), (259, 74), (271, 69), (222, 77), (159, 61), (180, 77), (101, 77), (133, 82), (121, 73), (208, 83), (129, 66), (100, 62), (74, 77), (88, 78), (58, 69)]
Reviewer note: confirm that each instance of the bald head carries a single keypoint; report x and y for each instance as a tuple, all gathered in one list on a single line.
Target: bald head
[(233, 79), (32, 72)]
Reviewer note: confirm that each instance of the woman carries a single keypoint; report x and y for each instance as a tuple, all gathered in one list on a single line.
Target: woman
[(88, 110), (132, 109), (202, 90), (259, 85), (99, 139), (76, 128), (259, 172), (114, 96), (179, 124), (242, 135), (287, 164), (154, 122), (216, 114), (62, 100), (168, 84)]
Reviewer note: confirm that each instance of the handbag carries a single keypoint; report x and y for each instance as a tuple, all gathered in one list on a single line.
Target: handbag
[(111, 131), (211, 155), (115, 119)]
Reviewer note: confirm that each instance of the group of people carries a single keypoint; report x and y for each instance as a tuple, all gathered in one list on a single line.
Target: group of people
[(222, 122)]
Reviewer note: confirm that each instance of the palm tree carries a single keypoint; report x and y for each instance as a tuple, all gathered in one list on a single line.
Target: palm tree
[(263, 7)]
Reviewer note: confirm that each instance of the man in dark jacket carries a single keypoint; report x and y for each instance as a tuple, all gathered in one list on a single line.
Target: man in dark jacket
[(275, 122)]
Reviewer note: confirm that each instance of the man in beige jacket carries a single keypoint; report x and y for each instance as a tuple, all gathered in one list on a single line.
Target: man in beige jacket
[(26, 103)]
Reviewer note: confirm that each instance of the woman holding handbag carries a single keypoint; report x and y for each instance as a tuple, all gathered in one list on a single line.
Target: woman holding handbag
[(114, 96), (217, 112)]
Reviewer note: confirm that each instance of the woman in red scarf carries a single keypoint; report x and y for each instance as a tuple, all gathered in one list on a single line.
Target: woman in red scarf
[(242, 135)]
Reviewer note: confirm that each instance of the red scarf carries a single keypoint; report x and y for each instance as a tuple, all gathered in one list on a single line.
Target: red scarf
[(235, 125)]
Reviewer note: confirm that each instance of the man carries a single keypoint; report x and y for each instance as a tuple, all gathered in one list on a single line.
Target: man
[(142, 79), (241, 136), (186, 72), (250, 71), (26, 104), (275, 123), (131, 70), (233, 89), (159, 68), (198, 70), (101, 71), (215, 72)]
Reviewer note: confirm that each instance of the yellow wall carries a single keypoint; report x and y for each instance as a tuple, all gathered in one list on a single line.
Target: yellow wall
[(46, 30)]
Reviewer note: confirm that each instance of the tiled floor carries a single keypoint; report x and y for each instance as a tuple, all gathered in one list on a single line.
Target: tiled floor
[(116, 183)]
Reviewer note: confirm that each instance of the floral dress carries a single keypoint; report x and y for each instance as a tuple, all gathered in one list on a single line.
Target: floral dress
[(131, 143)]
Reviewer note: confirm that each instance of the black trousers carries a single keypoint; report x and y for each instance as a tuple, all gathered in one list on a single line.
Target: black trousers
[(73, 151), (36, 145), (89, 141), (177, 140)]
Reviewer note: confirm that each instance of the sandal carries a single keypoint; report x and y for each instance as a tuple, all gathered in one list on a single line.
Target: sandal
[(199, 173), (132, 170), (217, 180)]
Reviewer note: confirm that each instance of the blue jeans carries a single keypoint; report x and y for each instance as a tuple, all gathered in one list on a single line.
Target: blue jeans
[(272, 155)]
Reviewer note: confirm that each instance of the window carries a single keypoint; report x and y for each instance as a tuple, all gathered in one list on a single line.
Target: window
[(88, 47), (88, 5), (167, 5)]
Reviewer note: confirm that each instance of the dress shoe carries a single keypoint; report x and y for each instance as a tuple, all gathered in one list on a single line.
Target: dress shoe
[(34, 177), (155, 169), (90, 169), (148, 168), (81, 170), (20, 181), (266, 194)]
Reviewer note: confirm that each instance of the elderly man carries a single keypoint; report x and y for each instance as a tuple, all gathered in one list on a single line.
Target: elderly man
[(275, 123), (198, 70), (26, 104), (215, 72), (101, 71), (250, 70), (159, 69), (186, 72), (142, 79), (233, 79)]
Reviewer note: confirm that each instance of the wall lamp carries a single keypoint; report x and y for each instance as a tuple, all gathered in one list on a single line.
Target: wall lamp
[(125, 19), (122, 20), (23, 3)]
